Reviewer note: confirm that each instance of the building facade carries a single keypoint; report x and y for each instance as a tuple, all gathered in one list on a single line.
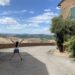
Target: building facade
[(67, 8)]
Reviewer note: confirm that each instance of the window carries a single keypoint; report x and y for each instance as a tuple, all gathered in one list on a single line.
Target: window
[(72, 14)]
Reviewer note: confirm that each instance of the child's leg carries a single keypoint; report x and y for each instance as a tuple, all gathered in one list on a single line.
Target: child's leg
[(20, 56), (12, 56)]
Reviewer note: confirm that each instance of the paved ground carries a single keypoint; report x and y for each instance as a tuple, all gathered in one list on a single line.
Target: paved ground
[(36, 61)]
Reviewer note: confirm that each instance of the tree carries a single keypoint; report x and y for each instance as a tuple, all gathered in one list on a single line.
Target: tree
[(71, 28), (58, 27)]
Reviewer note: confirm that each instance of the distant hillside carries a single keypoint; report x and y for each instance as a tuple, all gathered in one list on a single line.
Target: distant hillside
[(29, 36), (36, 36)]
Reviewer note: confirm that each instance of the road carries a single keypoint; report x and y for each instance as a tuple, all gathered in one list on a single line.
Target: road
[(36, 61)]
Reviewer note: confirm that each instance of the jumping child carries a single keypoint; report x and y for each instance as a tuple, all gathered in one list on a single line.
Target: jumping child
[(16, 50)]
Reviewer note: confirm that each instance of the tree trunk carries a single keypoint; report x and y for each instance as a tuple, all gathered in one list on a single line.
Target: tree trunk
[(60, 47)]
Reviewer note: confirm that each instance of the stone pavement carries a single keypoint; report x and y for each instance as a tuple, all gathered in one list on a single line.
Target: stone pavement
[(36, 61)]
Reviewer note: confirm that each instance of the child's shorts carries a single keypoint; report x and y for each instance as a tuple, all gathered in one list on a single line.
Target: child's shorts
[(16, 50)]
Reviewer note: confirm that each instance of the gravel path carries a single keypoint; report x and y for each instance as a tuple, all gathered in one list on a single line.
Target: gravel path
[(36, 61)]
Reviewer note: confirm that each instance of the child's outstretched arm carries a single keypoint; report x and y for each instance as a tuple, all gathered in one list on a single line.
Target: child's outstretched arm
[(21, 40), (12, 40)]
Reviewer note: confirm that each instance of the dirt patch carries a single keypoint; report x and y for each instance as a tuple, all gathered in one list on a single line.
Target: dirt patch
[(57, 53)]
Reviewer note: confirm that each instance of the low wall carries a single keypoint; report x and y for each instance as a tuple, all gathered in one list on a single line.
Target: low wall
[(25, 44)]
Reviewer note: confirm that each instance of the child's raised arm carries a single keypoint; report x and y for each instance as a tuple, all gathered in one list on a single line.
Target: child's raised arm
[(21, 40), (12, 40)]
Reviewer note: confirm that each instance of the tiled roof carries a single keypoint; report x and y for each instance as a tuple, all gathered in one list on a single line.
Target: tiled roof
[(60, 2)]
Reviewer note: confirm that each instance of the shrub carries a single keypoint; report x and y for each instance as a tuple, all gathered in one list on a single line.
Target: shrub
[(71, 46)]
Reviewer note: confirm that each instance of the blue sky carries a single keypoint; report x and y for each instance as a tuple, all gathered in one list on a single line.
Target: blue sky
[(27, 16)]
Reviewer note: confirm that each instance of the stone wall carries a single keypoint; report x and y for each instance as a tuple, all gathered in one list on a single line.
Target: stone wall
[(65, 8)]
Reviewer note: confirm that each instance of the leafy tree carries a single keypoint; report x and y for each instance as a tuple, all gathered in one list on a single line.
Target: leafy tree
[(71, 28), (58, 27), (71, 46), (62, 29)]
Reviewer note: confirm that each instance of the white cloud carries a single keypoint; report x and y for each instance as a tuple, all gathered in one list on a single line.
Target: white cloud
[(31, 25), (4, 2), (57, 8), (31, 12), (29, 30), (47, 10), (16, 12), (8, 21), (43, 18), (13, 12), (16, 27), (43, 30), (23, 11), (22, 26), (38, 30)]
